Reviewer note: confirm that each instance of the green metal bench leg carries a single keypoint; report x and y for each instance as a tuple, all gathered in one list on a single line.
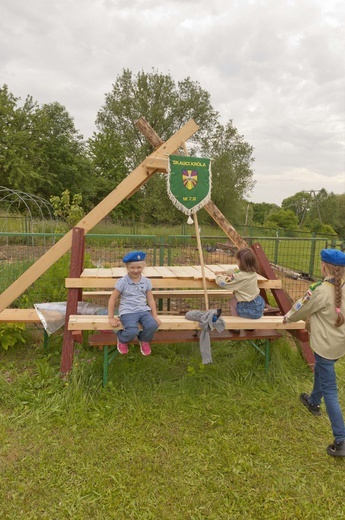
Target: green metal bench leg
[(45, 339), (265, 353), (108, 355), (105, 365)]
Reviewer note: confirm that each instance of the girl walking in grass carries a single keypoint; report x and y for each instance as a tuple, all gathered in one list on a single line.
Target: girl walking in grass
[(324, 304), (137, 306)]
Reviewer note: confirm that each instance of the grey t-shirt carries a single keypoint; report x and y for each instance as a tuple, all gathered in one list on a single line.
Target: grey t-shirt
[(133, 295)]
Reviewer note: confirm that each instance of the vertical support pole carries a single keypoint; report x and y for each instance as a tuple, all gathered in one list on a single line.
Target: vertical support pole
[(312, 255), (201, 256), (76, 267)]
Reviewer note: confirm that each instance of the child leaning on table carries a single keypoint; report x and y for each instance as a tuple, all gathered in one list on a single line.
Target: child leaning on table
[(137, 305), (246, 302), (324, 304)]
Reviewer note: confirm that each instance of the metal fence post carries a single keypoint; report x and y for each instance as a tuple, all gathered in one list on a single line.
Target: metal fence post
[(312, 255), (276, 247), (161, 250)]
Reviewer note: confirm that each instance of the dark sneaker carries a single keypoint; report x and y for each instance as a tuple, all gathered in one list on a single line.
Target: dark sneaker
[(337, 449), (313, 408)]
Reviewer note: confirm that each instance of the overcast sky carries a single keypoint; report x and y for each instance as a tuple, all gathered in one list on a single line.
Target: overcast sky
[(275, 67)]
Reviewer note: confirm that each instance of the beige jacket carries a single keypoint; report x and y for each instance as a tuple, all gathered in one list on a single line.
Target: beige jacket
[(318, 303), (244, 285)]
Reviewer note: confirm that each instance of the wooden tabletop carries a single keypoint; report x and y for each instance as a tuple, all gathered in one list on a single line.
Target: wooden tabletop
[(171, 271)]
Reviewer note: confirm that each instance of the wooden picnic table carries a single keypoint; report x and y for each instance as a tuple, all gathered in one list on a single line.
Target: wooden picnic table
[(171, 271)]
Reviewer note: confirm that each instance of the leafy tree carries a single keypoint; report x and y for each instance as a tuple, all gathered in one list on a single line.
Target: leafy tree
[(300, 204), (63, 160), (261, 210), (167, 106), (109, 165), (339, 224), (232, 174), (323, 229), (18, 143), (41, 151), (285, 219), (66, 209)]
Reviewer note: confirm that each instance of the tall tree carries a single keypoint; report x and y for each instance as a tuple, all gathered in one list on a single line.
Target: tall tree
[(261, 210), (63, 162), (41, 151), (232, 174), (300, 204), (167, 106), (18, 143)]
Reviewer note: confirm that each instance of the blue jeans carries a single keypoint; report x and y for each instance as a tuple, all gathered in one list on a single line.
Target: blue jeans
[(253, 309), (131, 329), (325, 385)]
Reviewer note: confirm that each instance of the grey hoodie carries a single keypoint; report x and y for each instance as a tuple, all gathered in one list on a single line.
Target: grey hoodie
[(206, 325)]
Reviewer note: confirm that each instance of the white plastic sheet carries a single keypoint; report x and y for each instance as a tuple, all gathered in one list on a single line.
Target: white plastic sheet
[(52, 315)]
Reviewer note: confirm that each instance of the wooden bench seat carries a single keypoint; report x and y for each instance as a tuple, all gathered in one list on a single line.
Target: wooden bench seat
[(169, 322)]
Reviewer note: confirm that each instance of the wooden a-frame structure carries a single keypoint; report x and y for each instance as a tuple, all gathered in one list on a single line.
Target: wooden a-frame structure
[(157, 161)]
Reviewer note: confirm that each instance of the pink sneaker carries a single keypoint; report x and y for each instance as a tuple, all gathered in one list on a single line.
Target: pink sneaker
[(122, 347), (145, 348)]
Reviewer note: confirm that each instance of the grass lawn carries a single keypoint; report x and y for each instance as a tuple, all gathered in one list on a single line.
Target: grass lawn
[(167, 439)]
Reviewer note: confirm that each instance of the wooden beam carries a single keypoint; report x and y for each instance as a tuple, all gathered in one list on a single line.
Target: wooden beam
[(136, 178), (222, 222), (19, 316), (157, 163), (147, 130), (76, 268)]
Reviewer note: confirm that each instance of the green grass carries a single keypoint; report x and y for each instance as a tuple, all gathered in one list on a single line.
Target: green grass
[(166, 439)]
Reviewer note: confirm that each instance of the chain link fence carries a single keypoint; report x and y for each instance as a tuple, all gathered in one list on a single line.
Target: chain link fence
[(295, 259)]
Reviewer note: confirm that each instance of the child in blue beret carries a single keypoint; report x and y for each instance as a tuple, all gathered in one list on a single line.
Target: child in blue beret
[(324, 304), (137, 305)]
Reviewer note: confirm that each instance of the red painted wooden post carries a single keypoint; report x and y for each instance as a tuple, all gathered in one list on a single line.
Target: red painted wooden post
[(76, 267), (284, 302)]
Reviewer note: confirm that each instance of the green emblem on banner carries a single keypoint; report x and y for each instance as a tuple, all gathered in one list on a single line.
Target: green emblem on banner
[(189, 182)]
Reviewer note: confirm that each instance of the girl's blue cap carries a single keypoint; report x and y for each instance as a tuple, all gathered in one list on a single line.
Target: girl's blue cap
[(333, 256), (135, 256)]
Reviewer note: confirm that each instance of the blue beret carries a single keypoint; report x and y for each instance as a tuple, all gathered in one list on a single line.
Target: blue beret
[(333, 256), (134, 256)]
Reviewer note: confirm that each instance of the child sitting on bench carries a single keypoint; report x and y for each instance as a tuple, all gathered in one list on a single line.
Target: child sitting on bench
[(136, 306), (246, 302)]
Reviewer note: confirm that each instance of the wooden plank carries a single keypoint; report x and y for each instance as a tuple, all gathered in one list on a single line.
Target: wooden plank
[(130, 184), (98, 272), (160, 283), (169, 322), (182, 272), (157, 163), (19, 316), (155, 272), (209, 274), (164, 271), (181, 293)]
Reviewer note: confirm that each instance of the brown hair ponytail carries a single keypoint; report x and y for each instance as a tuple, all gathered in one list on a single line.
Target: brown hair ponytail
[(338, 283)]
